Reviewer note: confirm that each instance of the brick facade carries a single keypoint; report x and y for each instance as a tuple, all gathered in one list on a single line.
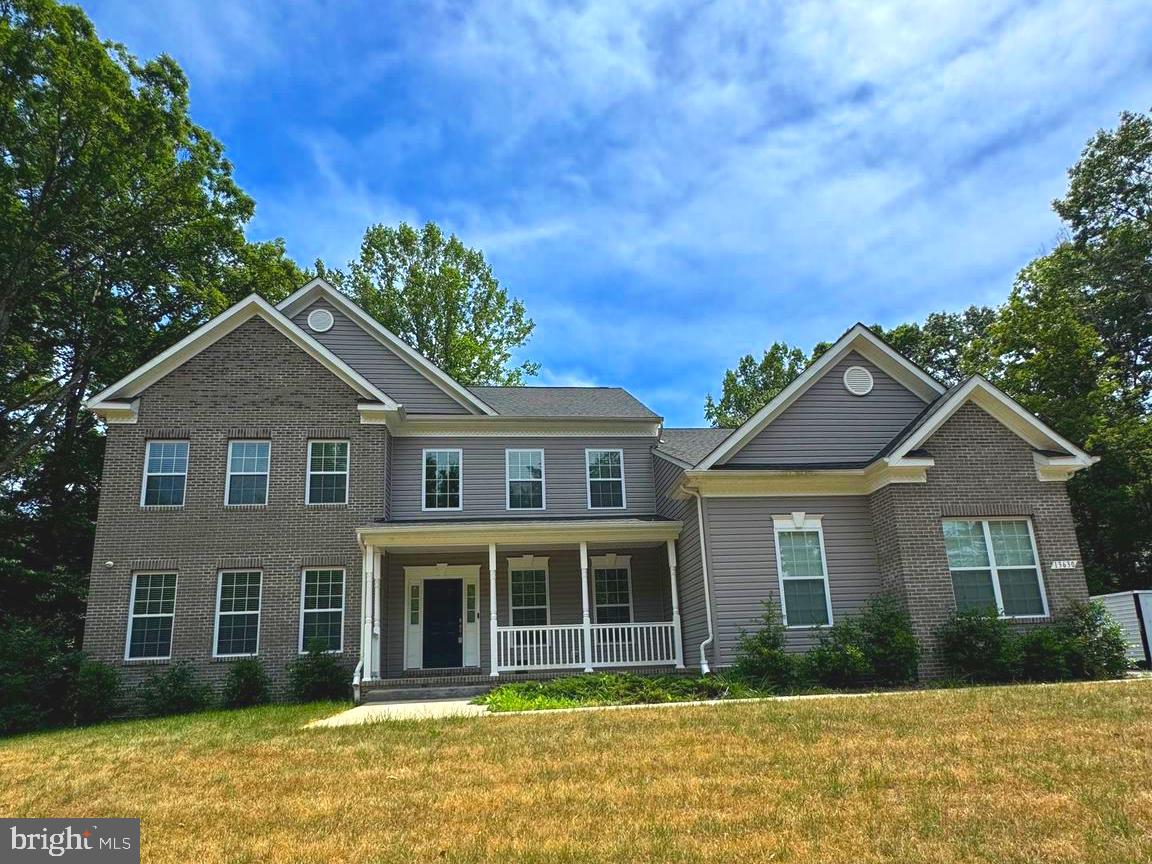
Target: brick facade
[(253, 383), (982, 469)]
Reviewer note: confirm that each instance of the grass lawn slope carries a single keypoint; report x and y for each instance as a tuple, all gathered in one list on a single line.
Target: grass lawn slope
[(1012, 774)]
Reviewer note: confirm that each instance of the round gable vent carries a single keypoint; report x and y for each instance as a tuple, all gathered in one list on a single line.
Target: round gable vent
[(858, 381), (320, 320)]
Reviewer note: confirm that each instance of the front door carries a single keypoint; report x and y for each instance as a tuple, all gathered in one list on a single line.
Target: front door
[(443, 623)]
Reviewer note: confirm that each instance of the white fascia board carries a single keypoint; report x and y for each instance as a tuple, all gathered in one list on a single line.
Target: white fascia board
[(1004, 409), (322, 288), (859, 339), (515, 532), (124, 411), (253, 305)]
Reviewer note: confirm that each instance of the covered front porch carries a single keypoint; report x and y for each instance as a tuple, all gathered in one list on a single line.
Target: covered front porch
[(518, 597)]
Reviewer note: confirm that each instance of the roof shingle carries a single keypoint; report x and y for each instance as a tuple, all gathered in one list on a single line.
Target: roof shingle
[(605, 402)]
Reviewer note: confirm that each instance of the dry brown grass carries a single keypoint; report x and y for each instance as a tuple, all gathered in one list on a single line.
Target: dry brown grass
[(1046, 774)]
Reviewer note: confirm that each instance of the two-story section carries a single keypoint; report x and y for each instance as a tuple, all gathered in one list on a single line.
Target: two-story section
[(296, 476)]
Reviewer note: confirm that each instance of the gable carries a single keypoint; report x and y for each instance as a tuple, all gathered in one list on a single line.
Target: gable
[(378, 363), (828, 425)]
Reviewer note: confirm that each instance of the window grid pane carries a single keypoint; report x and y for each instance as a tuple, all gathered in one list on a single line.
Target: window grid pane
[(605, 479), (165, 473), (442, 480), (973, 590), (613, 591), (327, 472), (1010, 565), (153, 607), (800, 556), (805, 602), (1011, 544), (1020, 591), (964, 544), (323, 604)]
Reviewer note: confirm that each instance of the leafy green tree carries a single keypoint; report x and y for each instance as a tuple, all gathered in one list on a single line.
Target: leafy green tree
[(942, 344), (441, 298), (753, 384)]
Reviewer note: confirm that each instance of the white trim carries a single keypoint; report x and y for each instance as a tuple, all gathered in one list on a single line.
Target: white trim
[(994, 570), (113, 411), (253, 305), (416, 575), (259, 610), (315, 326), (424, 479), (228, 472), (525, 564), (765, 483), (308, 472), (1008, 412), (145, 474), (508, 481), (403, 425), (858, 380), (320, 287), (800, 521), (132, 616), (859, 339), (588, 476), (512, 531), (612, 561), (304, 571)]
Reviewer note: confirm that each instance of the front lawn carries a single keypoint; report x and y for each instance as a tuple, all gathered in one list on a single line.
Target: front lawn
[(1013, 774)]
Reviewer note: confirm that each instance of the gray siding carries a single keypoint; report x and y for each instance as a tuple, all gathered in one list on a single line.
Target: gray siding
[(1122, 607), (384, 368), (690, 569), (483, 471), (829, 424), (651, 595), (742, 561)]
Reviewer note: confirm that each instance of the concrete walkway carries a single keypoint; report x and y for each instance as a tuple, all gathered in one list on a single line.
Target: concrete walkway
[(376, 712)]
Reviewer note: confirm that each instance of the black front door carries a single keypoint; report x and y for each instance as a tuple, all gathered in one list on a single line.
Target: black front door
[(443, 626)]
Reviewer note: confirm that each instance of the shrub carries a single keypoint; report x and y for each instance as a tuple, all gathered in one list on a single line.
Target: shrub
[(176, 690), (760, 657), (96, 693), (977, 646), (611, 688), (875, 646), (37, 668), (1093, 642), (840, 659), (247, 684), (318, 675), (1039, 654)]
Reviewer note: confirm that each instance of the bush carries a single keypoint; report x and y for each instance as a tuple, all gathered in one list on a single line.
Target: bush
[(876, 646), (318, 675), (840, 659), (96, 693), (760, 657), (977, 646), (1094, 643), (247, 684), (1039, 654), (177, 690), (37, 669), (611, 688)]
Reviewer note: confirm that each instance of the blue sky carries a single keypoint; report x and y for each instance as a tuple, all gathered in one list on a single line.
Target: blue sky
[(667, 186)]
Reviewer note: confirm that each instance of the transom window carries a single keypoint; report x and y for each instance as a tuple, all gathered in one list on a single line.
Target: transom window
[(247, 472), (322, 610), (804, 597), (605, 478), (237, 613), (165, 474), (442, 479), (150, 622), (327, 472), (525, 473), (528, 592), (612, 586), (994, 565)]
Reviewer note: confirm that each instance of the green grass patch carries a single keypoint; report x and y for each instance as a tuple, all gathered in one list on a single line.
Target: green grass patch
[(614, 688)]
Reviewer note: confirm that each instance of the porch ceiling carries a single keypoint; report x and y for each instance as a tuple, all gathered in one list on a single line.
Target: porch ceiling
[(520, 533)]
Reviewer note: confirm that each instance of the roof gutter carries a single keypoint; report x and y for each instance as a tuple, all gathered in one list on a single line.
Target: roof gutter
[(707, 643)]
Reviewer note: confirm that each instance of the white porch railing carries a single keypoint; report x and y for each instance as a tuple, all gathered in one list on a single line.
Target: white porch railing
[(633, 644), (561, 646)]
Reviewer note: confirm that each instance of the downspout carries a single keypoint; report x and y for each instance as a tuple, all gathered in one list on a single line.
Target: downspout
[(707, 643)]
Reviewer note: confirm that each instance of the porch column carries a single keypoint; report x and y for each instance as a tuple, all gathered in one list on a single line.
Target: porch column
[(587, 621), (494, 642), (377, 577), (675, 605), (366, 617)]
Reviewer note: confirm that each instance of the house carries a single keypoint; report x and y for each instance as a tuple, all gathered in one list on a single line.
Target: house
[(296, 475)]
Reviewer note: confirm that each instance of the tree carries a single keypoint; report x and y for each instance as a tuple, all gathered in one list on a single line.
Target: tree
[(752, 385), (941, 344), (441, 298)]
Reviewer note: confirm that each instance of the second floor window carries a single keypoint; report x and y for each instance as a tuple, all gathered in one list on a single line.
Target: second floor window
[(442, 479), (605, 478), (327, 472), (525, 479), (165, 474), (247, 472)]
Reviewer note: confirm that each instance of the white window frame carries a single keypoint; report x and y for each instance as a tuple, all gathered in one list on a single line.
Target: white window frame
[(229, 474), (588, 451), (994, 569), (508, 480), (132, 617), (613, 562), (308, 472), (145, 474), (783, 524), (520, 565), (301, 648), (424, 479), (259, 613)]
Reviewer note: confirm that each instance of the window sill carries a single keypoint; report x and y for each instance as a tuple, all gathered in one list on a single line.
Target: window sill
[(147, 661), (245, 506), (161, 507), (228, 658), (325, 503)]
